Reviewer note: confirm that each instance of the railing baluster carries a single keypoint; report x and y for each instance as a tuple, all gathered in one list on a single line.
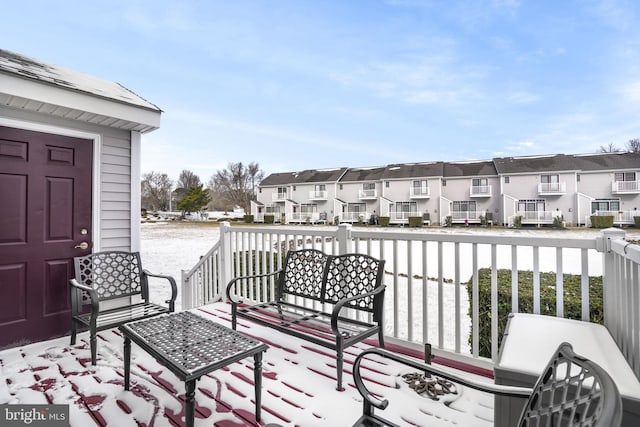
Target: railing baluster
[(425, 294), (494, 303), (456, 284), (475, 297), (440, 297), (559, 284), (536, 280), (409, 290), (514, 279), (584, 285)]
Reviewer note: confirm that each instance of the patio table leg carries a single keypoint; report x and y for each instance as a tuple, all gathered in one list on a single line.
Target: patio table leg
[(127, 361), (189, 407), (257, 382)]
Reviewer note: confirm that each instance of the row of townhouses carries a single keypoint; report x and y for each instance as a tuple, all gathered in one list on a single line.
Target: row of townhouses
[(503, 191)]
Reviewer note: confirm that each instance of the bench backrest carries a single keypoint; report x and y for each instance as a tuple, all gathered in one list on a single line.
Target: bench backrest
[(303, 274), (349, 275), (312, 274), (112, 275)]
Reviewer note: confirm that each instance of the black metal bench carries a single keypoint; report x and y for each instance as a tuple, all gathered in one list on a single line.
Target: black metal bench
[(311, 290), (118, 292)]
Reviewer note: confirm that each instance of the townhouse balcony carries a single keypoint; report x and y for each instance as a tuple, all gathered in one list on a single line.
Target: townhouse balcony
[(619, 217), (419, 192), (552, 188), (279, 197), (538, 217), (466, 217), (367, 194), (303, 217), (625, 187), (480, 191), (318, 195), (353, 217)]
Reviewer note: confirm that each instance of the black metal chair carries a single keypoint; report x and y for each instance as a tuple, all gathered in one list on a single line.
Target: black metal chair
[(572, 391), (118, 277)]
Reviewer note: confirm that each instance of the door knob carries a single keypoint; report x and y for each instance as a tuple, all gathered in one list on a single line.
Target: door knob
[(83, 246)]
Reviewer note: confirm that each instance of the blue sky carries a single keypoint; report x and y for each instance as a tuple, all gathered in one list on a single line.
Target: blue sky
[(311, 84)]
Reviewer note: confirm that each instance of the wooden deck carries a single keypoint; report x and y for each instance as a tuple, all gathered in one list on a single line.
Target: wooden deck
[(298, 386)]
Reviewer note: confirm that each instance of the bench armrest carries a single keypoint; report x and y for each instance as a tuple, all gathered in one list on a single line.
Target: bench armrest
[(232, 283), (340, 305), (447, 374), (172, 283)]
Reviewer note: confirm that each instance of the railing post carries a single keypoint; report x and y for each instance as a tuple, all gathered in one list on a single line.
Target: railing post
[(187, 291), (226, 258), (344, 239), (609, 277)]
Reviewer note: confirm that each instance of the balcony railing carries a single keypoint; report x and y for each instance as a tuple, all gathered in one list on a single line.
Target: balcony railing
[(480, 191), (368, 194), (303, 217), (318, 195), (279, 197), (619, 217), (427, 275), (551, 188), (628, 187), (402, 216), (419, 192), (353, 217), (458, 217), (538, 217)]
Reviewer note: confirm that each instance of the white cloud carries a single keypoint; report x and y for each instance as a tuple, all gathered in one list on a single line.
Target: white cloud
[(522, 97)]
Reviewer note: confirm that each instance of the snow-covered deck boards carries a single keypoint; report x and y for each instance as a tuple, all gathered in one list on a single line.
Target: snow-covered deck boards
[(298, 385)]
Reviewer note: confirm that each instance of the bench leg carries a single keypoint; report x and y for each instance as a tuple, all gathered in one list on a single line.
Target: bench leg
[(93, 341), (381, 338), (339, 365)]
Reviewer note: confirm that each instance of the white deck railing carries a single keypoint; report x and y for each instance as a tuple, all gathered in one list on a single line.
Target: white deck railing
[(425, 273)]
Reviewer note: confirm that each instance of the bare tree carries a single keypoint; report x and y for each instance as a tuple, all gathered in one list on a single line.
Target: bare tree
[(611, 148), (156, 190), (633, 146), (186, 181), (236, 184)]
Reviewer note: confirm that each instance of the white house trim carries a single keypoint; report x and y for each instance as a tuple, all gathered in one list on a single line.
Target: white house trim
[(136, 156)]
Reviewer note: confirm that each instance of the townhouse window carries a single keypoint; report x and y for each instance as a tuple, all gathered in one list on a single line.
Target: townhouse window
[(341, 186), (369, 186), (605, 205), (386, 184), (535, 205), (308, 208), (320, 187), (294, 188), (464, 206), (282, 192), (506, 179), (578, 177), (480, 182), (444, 182), (260, 190)]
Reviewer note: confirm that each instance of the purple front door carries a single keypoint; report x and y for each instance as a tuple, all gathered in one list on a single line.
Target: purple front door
[(45, 213)]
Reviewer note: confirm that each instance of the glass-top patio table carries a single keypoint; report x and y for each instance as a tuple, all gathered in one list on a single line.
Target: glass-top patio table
[(191, 346)]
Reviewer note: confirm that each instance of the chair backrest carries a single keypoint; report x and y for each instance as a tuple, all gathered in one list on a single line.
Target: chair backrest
[(112, 275), (573, 391), (303, 273), (350, 275)]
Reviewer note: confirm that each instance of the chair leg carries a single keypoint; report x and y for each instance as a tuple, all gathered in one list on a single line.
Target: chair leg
[(339, 365), (380, 338), (74, 328)]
